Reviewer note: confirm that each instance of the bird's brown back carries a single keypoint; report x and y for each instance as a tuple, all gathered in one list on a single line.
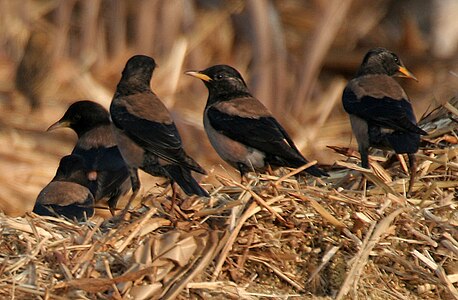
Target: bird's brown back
[(247, 107)]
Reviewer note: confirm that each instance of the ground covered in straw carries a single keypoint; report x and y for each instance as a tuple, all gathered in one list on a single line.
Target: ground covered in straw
[(278, 236)]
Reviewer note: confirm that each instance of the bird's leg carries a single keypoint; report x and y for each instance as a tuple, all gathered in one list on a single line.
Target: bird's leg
[(269, 170), (174, 195), (364, 152), (413, 171), (112, 209), (241, 169), (135, 181), (112, 203)]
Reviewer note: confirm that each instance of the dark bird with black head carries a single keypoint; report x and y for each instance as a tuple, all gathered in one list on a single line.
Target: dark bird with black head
[(146, 133), (68, 194), (97, 146), (381, 114), (241, 129)]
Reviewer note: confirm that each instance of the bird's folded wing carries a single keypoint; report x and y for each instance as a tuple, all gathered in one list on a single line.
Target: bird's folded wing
[(110, 183), (396, 114), (161, 139), (101, 158), (263, 133)]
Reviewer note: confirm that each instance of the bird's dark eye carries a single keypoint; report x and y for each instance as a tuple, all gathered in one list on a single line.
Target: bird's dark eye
[(219, 76), (396, 60)]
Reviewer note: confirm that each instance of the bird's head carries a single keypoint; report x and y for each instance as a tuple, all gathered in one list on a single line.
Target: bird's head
[(221, 79), (83, 116), (383, 61), (71, 166), (140, 67)]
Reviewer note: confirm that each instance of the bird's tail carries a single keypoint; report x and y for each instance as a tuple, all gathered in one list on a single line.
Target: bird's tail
[(404, 142), (185, 180), (193, 165)]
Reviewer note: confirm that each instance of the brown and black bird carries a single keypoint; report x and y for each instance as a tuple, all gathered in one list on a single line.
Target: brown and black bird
[(241, 129), (34, 72), (97, 146), (146, 134), (380, 112), (68, 194)]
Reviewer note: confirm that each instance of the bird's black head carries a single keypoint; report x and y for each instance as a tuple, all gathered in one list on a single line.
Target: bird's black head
[(83, 116), (223, 82), (72, 168), (139, 70), (383, 61)]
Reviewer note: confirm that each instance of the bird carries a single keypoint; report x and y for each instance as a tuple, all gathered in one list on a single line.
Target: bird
[(34, 72), (381, 114), (68, 194), (97, 146), (241, 129), (146, 133)]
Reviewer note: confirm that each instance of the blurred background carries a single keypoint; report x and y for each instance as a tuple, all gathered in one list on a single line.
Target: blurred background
[(296, 56)]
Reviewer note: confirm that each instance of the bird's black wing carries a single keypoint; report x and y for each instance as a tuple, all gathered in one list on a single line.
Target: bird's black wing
[(101, 158), (262, 133), (160, 139), (382, 111), (111, 183)]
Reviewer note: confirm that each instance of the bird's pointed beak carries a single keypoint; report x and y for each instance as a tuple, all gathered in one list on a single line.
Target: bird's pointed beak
[(403, 72), (59, 124), (199, 75)]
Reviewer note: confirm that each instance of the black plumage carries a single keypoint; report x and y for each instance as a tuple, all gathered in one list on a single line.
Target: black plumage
[(241, 129), (97, 146), (68, 194), (145, 131), (380, 112)]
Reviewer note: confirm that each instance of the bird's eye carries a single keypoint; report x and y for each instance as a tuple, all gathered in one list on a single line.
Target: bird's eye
[(396, 60), (219, 76)]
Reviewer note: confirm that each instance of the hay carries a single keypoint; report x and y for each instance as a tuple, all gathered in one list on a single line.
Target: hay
[(275, 236)]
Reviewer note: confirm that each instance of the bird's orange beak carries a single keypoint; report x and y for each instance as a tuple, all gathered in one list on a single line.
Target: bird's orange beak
[(199, 75), (59, 124), (403, 72)]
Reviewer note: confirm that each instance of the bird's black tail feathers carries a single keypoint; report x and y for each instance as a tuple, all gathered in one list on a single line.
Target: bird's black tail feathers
[(193, 165), (185, 180)]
